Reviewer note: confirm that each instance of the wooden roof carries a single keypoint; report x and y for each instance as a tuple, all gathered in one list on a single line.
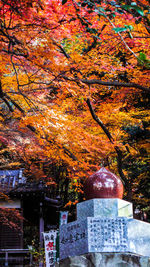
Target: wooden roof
[(9, 179), (28, 188)]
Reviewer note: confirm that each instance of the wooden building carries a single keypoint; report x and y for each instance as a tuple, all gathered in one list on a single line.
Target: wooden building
[(38, 206), (9, 237)]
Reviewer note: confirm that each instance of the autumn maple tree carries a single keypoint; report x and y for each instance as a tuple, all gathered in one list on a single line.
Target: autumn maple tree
[(74, 87)]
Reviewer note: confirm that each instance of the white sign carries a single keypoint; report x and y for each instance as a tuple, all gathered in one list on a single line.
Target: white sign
[(50, 247), (63, 217)]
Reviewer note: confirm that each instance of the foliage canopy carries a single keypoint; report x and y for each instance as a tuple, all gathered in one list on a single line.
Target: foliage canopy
[(74, 90)]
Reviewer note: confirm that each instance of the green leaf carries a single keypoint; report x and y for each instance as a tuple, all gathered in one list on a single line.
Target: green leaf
[(143, 61), (126, 7), (102, 9), (135, 7), (142, 56), (97, 37), (64, 2), (129, 27), (139, 10), (91, 30), (119, 29), (133, 4), (122, 29)]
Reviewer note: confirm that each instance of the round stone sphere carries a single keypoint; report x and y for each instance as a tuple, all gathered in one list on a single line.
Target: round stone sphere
[(103, 184)]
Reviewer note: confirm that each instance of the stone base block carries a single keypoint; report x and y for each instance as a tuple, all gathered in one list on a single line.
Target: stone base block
[(105, 207), (106, 260), (97, 234)]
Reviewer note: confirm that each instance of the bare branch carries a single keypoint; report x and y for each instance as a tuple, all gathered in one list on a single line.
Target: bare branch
[(116, 83), (100, 123), (61, 49), (108, 83), (15, 104)]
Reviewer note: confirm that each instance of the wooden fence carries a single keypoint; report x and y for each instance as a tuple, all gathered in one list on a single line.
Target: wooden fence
[(15, 257)]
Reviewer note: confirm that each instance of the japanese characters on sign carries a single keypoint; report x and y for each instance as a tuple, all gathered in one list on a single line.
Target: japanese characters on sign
[(50, 247), (105, 233), (73, 236), (73, 239)]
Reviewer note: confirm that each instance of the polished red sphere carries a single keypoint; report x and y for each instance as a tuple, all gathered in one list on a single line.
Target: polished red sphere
[(103, 184)]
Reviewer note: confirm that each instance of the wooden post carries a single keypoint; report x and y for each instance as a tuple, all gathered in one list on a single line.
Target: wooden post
[(6, 258), (21, 212), (41, 230)]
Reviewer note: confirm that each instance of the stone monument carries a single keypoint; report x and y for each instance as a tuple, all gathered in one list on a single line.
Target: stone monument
[(105, 233)]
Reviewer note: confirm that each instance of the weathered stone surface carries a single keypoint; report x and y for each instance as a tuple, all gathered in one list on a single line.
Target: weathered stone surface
[(106, 260), (73, 239), (111, 207), (102, 234), (139, 237), (107, 234), (104, 225)]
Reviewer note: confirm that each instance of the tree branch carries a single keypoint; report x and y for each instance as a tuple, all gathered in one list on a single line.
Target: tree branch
[(2, 96), (15, 104), (117, 149), (108, 83), (66, 150), (6, 97), (100, 123), (8, 104), (116, 83), (61, 49)]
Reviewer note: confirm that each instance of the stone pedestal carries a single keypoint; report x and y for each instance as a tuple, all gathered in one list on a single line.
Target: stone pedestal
[(106, 260), (104, 207), (105, 225)]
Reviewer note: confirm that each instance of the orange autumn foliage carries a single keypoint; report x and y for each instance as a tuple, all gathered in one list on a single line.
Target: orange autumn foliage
[(54, 57)]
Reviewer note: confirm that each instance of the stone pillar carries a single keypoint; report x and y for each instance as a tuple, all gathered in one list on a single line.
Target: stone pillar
[(104, 228), (105, 233)]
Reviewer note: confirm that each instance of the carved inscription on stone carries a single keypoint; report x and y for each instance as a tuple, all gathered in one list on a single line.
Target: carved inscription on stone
[(105, 234), (73, 239), (74, 233)]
